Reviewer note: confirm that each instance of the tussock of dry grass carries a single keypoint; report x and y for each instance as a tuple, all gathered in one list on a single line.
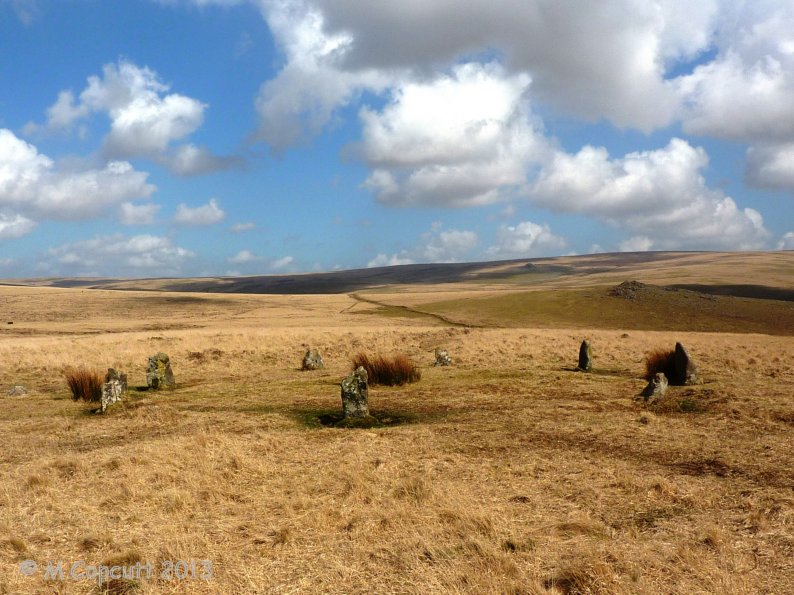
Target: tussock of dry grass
[(85, 385), (388, 371), (660, 360)]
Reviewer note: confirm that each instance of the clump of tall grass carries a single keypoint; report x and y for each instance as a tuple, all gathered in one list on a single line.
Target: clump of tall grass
[(389, 371), (86, 385), (661, 360)]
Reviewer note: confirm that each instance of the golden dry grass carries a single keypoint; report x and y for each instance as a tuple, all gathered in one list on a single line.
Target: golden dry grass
[(508, 472)]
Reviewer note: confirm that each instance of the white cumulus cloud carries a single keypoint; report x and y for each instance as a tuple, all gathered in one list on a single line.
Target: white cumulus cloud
[(117, 255), (15, 226), (525, 239), (383, 260), (636, 244), (132, 214), (459, 140), (435, 245), (301, 100), (282, 263), (658, 194), (33, 187), (207, 214), (145, 119), (243, 256), (771, 166), (242, 227), (786, 242)]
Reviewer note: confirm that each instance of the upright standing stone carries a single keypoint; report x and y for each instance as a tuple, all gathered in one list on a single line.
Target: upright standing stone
[(111, 393), (312, 360), (585, 357), (442, 357), (159, 374), (655, 389), (114, 374), (354, 394), (686, 372)]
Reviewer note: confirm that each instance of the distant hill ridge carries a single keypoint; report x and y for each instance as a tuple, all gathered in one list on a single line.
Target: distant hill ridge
[(764, 275)]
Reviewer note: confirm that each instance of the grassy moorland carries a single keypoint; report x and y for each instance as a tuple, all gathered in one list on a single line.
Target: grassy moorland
[(507, 472)]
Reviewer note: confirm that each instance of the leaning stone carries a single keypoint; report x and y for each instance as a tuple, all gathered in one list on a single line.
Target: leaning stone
[(354, 395), (686, 372), (111, 393), (17, 391), (655, 389), (114, 374), (312, 360), (442, 358), (159, 374), (585, 357)]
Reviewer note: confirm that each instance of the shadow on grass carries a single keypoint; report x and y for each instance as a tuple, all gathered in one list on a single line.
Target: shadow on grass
[(326, 418), (601, 372)]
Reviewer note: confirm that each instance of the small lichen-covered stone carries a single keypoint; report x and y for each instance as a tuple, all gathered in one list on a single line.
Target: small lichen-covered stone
[(655, 389), (442, 358), (113, 374), (312, 360), (355, 394), (585, 357), (686, 372), (111, 393), (159, 374)]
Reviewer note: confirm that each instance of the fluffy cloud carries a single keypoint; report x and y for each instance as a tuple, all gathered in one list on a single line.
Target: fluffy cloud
[(117, 255), (786, 242), (459, 140), (659, 195), (302, 98), (243, 256), (207, 214), (594, 59), (15, 226), (282, 263), (636, 244), (525, 239), (190, 160), (248, 257), (771, 166), (436, 245), (446, 245), (132, 214), (145, 120), (32, 186), (242, 227), (747, 91), (382, 260)]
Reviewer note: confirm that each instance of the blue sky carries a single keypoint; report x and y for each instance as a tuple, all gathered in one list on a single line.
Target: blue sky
[(147, 138)]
